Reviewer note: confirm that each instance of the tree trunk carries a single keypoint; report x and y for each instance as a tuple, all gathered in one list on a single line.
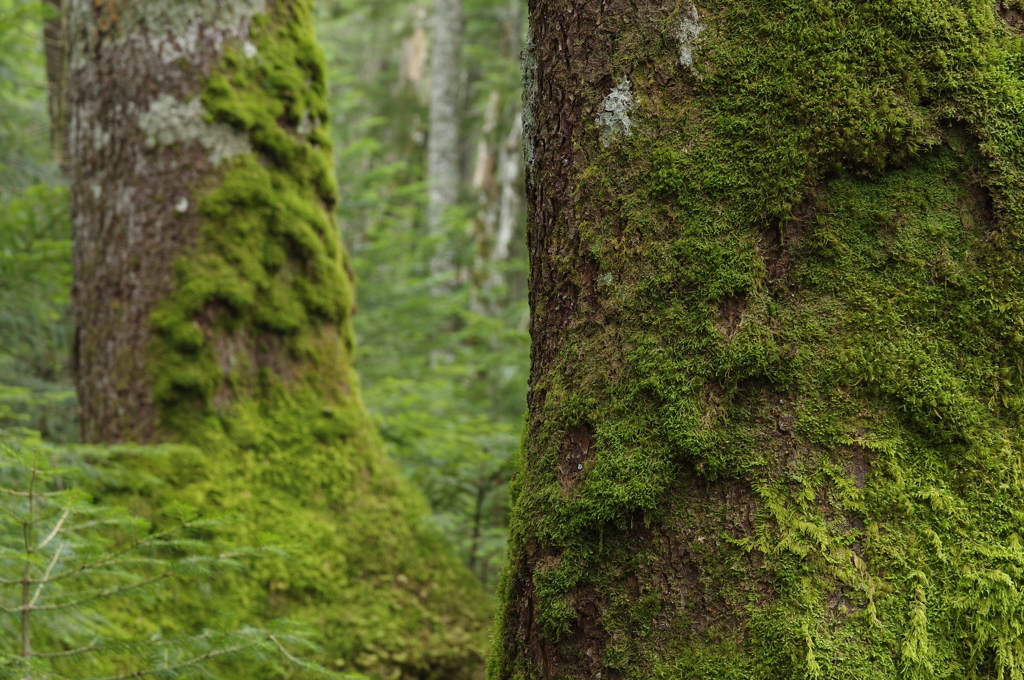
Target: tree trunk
[(213, 304), (778, 343), (443, 166), (55, 46)]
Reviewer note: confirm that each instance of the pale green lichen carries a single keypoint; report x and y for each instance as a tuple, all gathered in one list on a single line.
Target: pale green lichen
[(689, 31), (614, 115), (170, 122)]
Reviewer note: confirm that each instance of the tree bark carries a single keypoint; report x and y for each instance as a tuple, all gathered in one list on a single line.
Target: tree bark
[(443, 160), (213, 303), (55, 45), (776, 383)]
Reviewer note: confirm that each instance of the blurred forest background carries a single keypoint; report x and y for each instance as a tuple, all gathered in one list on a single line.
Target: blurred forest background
[(442, 317)]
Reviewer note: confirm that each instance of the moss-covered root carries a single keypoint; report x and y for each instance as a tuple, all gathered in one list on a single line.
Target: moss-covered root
[(223, 307), (778, 326)]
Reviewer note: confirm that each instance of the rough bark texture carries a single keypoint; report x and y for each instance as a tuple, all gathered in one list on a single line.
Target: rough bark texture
[(213, 305), (777, 323), (132, 199), (443, 166)]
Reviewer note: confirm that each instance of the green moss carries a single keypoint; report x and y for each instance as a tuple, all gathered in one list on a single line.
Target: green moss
[(799, 268), (251, 362)]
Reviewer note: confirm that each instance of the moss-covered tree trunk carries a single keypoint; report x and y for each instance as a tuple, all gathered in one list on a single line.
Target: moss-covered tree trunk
[(213, 305), (777, 286)]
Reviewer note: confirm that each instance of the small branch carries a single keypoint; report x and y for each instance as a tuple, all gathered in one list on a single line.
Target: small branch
[(112, 557), (13, 514), (287, 654), (29, 494), (185, 664), (56, 529), (71, 652), (45, 579), (109, 592)]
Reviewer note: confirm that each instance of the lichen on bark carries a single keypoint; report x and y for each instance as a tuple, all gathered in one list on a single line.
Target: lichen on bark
[(777, 373)]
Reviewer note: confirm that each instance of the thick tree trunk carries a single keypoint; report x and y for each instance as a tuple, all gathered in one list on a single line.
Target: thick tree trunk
[(778, 376), (213, 305), (443, 166)]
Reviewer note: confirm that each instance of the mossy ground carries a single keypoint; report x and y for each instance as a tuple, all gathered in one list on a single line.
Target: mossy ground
[(807, 295), (251, 363)]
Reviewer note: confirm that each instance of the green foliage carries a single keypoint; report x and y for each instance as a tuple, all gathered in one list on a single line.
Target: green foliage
[(35, 239), (35, 280), (443, 373), (803, 283), (24, 129), (35, 323), (73, 575)]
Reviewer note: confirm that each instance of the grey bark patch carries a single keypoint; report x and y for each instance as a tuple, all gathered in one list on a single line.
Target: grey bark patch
[(171, 28), (614, 115), (169, 122), (690, 29)]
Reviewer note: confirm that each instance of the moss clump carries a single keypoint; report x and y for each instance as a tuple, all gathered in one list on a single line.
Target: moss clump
[(808, 255), (251, 362)]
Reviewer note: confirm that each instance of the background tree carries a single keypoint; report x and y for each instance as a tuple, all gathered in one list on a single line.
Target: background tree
[(443, 368), (213, 304), (442, 374), (443, 371), (777, 383), (444, 171)]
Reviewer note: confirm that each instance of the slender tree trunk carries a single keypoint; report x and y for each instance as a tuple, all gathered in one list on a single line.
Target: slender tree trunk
[(443, 166), (56, 47), (213, 304), (510, 185), (778, 377)]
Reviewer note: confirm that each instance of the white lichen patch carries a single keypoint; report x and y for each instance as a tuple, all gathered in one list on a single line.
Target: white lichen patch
[(614, 115), (171, 28), (249, 50), (690, 29), (169, 122)]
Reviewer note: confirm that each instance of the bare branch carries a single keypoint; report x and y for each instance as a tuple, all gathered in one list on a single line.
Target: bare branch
[(43, 581), (30, 494), (287, 654), (71, 652), (109, 592), (56, 529), (185, 664), (112, 556)]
